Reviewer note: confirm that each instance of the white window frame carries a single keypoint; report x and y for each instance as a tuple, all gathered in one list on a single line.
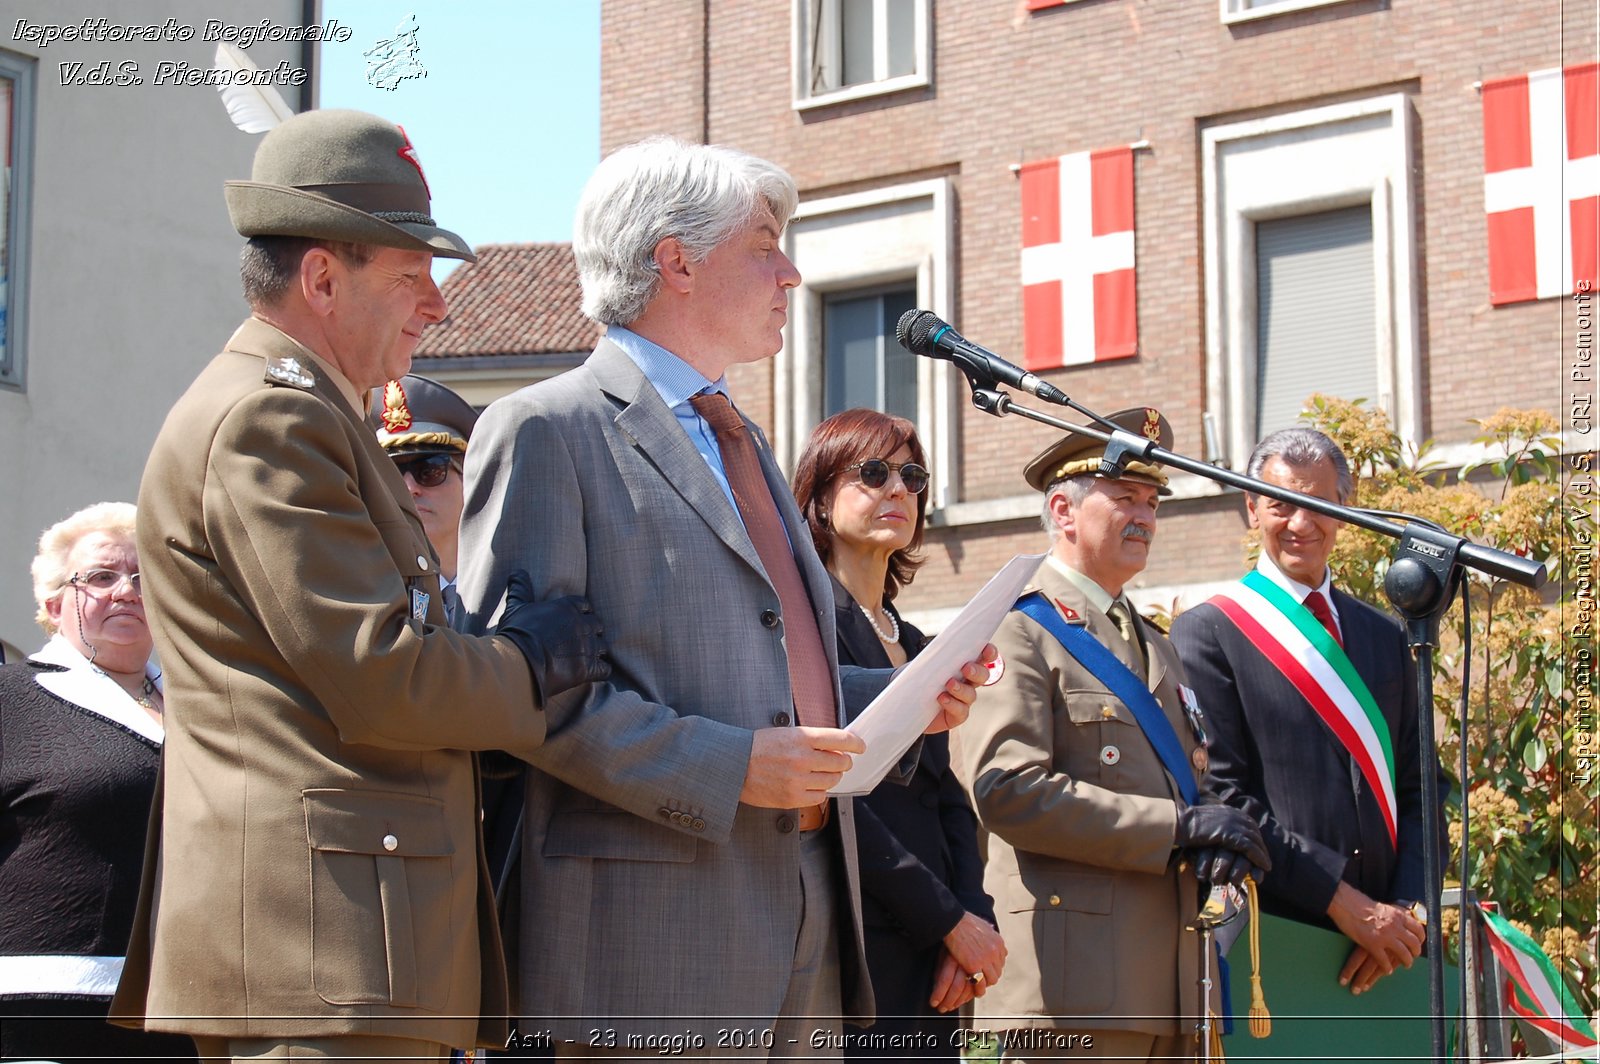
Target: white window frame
[(1379, 173), (1246, 11), (20, 71), (828, 40), (797, 371)]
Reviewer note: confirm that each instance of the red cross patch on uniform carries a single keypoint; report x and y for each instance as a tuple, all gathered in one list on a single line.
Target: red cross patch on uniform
[(997, 669)]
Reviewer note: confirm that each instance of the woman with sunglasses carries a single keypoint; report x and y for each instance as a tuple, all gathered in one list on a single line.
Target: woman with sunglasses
[(931, 944), (80, 740)]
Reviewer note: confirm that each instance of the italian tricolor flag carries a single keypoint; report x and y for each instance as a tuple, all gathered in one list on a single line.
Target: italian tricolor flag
[(1535, 990)]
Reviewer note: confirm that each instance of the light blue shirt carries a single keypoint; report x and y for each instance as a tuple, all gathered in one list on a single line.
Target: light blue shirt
[(677, 382)]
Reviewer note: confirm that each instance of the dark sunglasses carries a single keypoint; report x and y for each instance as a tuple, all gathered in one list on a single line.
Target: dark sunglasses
[(874, 473), (428, 470)]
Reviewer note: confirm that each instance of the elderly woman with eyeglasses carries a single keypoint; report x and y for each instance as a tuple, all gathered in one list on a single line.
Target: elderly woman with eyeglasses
[(80, 741), (931, 943)]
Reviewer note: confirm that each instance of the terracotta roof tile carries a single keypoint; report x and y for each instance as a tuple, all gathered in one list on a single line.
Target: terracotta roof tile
[(517, 299)]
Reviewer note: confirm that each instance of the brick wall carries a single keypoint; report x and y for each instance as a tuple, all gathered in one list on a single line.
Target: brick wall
[(1010, 87)]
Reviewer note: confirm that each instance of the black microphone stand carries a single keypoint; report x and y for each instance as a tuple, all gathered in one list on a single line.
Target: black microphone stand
[(1424, 573)]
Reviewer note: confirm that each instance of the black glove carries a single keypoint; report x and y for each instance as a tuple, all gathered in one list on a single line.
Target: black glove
[(1224, 844), (562, 638)]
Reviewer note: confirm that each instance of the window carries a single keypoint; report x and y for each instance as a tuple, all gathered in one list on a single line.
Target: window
[(867, 258), (1316, 324), (1244, 10), (846, 49), (862, 363), (1310, 267), (16, 142)]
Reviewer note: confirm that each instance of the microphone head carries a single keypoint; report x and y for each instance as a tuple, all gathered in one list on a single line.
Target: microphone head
[(915, 330)]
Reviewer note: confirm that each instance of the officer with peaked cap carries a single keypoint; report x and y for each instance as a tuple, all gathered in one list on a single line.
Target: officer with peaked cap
[(424, 427), (314, 884), (1085, 770)]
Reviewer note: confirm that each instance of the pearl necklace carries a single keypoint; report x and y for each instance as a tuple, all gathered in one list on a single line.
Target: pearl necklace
[(894, 624)]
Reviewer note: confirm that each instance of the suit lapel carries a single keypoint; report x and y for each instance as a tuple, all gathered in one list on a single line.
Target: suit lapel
[(654, 430), (1352, 625)]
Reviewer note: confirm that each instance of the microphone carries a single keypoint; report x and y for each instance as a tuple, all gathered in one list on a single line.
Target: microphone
[(922, 332)]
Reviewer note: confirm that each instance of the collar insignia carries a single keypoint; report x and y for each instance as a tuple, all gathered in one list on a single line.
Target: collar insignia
[(1070, 614)]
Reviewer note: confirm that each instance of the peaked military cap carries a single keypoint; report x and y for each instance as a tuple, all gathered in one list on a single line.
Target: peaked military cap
[(416, 415), (1076, 455)]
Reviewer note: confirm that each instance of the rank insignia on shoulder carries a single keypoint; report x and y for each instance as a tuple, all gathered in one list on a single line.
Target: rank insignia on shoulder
[(1071, 615), (289, 370)]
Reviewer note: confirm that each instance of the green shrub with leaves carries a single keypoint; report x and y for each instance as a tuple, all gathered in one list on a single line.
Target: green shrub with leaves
[(1533, 836)]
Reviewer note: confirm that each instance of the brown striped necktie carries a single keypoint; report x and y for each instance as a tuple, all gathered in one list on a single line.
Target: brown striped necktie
[(810, 678)]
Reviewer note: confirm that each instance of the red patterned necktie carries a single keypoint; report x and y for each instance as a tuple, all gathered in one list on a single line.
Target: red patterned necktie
[(1319, 609), (810, 678)]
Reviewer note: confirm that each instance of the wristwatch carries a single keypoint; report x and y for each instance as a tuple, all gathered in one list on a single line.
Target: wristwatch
[(1415, 908)]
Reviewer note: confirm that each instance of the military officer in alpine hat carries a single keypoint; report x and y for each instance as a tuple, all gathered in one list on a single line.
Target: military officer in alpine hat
[(1083, 773), (315, 882)]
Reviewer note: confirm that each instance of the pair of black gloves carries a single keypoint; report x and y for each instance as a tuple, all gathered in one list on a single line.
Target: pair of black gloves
[(561, 638), (1223, 843)]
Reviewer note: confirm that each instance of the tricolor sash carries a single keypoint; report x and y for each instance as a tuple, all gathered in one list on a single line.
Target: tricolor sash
[(1120, 681), (1297, 645)]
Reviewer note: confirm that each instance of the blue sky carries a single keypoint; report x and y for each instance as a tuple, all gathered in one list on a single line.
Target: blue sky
[(507, 120)]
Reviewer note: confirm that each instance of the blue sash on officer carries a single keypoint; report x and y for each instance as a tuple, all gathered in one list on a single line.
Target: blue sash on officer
[(1120, 681)]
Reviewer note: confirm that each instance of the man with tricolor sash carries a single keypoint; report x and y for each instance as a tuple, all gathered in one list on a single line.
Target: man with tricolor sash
[(1311, 698), (1086, 772)]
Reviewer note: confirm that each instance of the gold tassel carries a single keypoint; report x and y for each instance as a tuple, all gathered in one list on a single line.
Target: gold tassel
[(1260, 1018), (1217, 1056)]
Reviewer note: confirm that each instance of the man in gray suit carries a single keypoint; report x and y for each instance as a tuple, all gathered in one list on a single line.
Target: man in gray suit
[(683, 870)]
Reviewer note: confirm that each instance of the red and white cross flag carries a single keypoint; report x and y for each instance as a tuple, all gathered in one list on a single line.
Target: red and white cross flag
[(1078, 299), (1541, 181)]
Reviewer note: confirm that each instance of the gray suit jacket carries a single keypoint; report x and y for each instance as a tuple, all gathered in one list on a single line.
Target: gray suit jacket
[(651, 899)]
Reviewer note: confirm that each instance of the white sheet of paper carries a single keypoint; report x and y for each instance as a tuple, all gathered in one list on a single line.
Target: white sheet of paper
[(900, 713)]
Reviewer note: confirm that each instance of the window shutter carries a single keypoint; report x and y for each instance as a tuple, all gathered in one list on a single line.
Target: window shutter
[(1316, 325)]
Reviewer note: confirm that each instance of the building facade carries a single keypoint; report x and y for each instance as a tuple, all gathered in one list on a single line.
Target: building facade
[(118, 265), (1308, 213)]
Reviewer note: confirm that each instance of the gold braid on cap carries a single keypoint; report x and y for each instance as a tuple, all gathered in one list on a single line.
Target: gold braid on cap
[(1079, 466), (426, 439)]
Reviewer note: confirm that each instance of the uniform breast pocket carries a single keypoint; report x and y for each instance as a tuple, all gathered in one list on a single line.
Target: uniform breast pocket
[(1103, 735), (380, 897)]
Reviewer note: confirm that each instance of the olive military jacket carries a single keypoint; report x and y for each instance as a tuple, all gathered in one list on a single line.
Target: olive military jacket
[(1081, 817), (315, 865)]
